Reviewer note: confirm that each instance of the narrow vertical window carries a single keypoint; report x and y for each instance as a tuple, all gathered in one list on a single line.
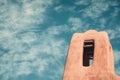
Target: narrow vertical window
[(88, 52)]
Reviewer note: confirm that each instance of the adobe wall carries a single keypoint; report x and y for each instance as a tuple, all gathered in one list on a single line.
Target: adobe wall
[(102, 67)]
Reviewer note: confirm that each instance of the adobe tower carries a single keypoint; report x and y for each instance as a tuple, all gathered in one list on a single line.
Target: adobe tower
[(90, 57)]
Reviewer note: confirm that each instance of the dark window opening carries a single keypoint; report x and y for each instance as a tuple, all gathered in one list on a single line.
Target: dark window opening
[(88, 52)]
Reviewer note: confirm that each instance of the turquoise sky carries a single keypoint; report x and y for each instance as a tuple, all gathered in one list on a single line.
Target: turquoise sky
[(35, 34)]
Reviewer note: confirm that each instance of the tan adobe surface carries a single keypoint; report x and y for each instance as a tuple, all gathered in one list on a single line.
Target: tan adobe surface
[(102, 67)]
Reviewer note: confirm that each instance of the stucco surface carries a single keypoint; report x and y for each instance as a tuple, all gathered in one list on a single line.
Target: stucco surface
[(102, 67)]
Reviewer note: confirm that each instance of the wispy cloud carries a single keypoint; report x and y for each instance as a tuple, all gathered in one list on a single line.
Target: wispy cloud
[(116, 61), (114, 33), (58, 8), (23, 50), (63, 8), (29, 53), (116, 12), (95, 9), (77, 24), (21, 14), (82, 2)]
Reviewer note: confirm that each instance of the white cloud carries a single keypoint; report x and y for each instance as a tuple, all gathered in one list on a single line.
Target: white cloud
[(114, 33), (58, 8), (74, 24), (102, 22), (116, 55), (31, 53), (82, 2), (77, 24), (27, 52), (116, 60), (56, 30), (18, 16), (95, 9), (23, 50), (116, 12), (61, 8), (114, 3)]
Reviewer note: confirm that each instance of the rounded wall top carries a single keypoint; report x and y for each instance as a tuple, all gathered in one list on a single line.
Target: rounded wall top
[(91, 31)]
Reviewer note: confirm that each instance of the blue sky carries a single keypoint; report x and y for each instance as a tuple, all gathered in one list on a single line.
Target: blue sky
[(35, 34)]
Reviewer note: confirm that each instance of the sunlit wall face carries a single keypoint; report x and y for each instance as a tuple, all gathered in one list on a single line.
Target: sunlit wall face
[(35, 34)]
